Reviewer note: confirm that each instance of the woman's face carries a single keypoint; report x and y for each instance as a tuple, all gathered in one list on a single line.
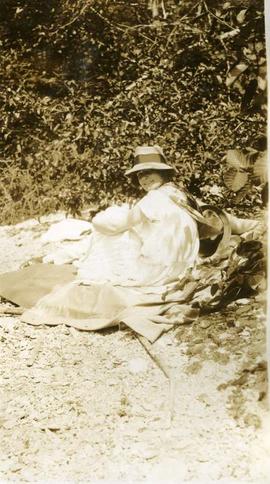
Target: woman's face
[(150, 179)]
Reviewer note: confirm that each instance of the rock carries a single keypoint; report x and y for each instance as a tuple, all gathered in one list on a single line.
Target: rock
[(193, 367), (137, 365), (222, 358), (198, 340), (205, 324), (203, 397), (197, 349), (253, 420)]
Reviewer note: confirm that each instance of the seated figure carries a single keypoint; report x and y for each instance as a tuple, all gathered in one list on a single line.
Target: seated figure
[(135, 257), (148, 244)]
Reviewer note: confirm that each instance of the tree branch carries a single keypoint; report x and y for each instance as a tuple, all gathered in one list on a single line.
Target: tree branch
[(216, 17)]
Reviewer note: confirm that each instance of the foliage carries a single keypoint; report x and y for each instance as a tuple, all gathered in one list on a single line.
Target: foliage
[(238, 271), (243, 172), (89, 80)]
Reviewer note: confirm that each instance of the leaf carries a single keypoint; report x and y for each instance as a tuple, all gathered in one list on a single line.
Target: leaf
[(235, 72), (234, 179), (241, 16), (237, 159), (260, 167), (256, 280), (242, 193), (262, 83), (259, 47), (215, 190)]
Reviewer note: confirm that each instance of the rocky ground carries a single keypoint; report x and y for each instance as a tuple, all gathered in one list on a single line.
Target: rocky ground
[(86, 407)]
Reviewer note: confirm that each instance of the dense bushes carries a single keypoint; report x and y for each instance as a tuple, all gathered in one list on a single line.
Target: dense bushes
[(84, 82)]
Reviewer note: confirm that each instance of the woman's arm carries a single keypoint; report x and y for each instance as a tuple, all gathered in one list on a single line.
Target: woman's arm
[(116, 220)]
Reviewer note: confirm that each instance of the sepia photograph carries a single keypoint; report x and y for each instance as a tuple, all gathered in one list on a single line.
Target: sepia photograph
[(134, 242)]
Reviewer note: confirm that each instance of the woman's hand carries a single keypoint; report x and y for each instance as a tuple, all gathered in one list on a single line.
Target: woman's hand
[(134, 217)]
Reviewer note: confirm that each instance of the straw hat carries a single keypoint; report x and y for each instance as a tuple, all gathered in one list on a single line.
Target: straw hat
[(149, 158)]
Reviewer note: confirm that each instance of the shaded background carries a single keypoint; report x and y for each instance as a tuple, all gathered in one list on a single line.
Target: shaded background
[(84, 82)]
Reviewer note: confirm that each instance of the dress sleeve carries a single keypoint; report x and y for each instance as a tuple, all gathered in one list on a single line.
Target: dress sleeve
[(155, 204), (115, 220), (112, 220), (150, 205)]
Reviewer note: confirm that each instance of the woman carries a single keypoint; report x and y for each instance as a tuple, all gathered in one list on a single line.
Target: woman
[(148, 244), (135, 257), (137, 260)]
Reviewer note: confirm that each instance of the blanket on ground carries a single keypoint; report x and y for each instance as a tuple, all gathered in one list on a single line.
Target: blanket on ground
[(94, 306), (238, 272)]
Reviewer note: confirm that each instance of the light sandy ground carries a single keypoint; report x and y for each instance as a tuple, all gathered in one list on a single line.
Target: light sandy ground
[(85, 407)]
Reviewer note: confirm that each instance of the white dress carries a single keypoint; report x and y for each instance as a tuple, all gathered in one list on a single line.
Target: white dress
[(128, 269), (160, 247)]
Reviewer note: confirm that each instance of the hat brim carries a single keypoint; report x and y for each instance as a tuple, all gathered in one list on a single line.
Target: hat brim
[(149, 166)]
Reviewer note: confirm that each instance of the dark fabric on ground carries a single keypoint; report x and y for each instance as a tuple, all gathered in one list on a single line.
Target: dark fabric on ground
[(39, 279)]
